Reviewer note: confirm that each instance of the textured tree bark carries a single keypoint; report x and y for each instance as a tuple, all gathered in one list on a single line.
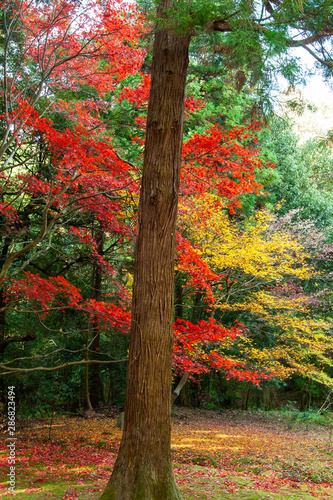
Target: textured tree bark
[(143, 469)]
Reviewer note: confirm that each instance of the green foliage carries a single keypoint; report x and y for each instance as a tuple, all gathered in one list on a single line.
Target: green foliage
[(194, 16), (308, 418), (225, 90), (304, 173), (252, 202)]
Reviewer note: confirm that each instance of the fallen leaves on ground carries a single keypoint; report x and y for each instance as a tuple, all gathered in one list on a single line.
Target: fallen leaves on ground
[(214, 453)]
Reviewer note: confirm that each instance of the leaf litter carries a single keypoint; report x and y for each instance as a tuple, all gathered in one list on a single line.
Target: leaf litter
[(216, 455)]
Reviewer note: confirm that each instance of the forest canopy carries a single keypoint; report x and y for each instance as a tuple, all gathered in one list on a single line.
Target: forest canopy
[(254, 231)]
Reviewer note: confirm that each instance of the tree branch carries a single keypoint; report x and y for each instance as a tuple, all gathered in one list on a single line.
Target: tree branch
[(11, 371), (179, 387)]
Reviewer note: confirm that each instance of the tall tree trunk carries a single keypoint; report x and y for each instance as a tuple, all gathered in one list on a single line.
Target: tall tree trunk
[(143, 469), (86, 375), (179, 295), (197, 307), (96, 384)]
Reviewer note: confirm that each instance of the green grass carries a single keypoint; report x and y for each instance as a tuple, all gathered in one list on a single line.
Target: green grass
[(55, 490), (307, 418)]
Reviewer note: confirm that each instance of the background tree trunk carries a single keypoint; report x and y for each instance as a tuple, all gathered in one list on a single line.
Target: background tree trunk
[(96, 384), (143, 467)]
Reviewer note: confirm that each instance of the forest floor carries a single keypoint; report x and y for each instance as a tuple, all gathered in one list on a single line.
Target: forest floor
[(216, 455)]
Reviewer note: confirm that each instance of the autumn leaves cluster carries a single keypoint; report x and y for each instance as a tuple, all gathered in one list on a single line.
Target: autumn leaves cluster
[(72, 131)]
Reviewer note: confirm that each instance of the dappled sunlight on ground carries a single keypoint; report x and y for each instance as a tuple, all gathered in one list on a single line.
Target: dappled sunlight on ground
[(222, 452)]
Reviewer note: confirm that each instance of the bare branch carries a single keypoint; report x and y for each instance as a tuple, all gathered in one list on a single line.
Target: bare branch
[(52, 353), (179, 387), (11, 371)]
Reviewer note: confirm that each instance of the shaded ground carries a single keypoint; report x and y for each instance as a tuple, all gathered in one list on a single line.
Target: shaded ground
[(217, 455)]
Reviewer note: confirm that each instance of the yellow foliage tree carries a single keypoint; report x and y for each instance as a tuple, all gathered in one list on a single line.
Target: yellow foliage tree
[(257, 269)]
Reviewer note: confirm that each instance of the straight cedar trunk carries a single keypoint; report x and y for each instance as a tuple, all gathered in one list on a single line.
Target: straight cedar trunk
[(143, 469)]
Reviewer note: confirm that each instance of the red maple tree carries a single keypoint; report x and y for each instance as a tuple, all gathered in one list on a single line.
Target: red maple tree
[(59, 161)]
